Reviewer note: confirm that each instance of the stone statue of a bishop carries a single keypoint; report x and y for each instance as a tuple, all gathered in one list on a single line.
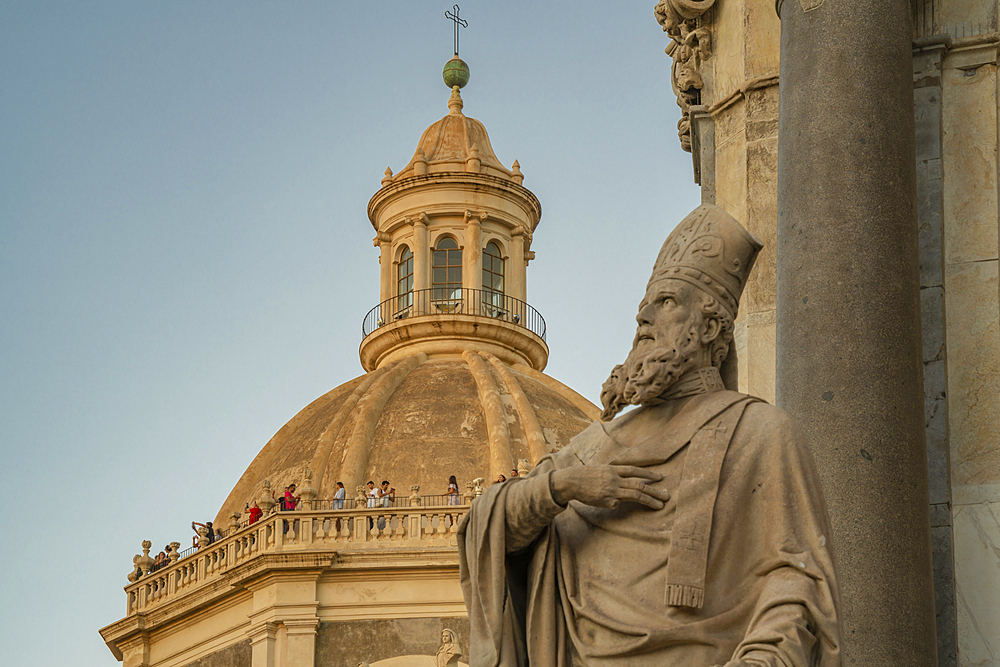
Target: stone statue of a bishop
[(690, 531)]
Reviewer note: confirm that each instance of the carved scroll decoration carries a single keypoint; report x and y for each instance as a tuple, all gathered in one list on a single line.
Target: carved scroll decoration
[(689, 46)]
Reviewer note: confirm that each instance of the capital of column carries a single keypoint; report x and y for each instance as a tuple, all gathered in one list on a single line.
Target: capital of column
[(381, 238), (475, 218), (421, 220), (261, 632), (303, 626)]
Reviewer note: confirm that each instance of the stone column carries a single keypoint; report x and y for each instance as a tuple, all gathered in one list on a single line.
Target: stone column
[(848, 310), (472, 259), (421, 254), (516, 268), (384, 243)]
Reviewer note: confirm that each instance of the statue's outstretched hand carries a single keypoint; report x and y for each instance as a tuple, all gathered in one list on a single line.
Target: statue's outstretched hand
[(607, 486)]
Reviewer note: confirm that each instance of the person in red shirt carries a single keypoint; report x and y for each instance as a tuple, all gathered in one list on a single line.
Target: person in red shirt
[(291, 500), (255, 512)]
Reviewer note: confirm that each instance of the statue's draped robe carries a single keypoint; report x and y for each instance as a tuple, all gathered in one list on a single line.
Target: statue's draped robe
[(548, 585)]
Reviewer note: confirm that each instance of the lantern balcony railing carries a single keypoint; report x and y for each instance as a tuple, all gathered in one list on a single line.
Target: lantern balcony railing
[(438, 301)]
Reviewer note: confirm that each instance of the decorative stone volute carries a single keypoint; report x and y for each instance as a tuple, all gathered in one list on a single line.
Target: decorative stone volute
[(234, 521), (173, 551), (523, 467), (477, 483), (266, 501), (414, 495), (306, 491)]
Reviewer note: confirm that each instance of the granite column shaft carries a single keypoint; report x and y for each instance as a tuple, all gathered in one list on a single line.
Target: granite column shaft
[(848, 310)]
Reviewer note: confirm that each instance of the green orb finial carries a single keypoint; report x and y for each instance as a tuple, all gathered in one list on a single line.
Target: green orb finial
[(456, 73)]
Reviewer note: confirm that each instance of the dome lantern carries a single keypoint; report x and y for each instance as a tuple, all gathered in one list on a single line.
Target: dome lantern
[(454, 229)]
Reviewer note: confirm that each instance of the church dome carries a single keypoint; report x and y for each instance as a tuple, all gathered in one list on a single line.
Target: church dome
[(418, 421), (452, 142)]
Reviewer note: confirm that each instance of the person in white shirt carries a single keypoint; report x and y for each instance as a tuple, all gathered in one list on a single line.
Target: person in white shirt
[(338, 498)]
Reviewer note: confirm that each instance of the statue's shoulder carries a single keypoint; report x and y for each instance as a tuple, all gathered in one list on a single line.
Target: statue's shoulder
[(591, 443), (771, 425)]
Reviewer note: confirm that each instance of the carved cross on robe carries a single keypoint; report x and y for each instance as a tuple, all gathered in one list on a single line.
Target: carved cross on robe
[(715, 429), (686, 539)]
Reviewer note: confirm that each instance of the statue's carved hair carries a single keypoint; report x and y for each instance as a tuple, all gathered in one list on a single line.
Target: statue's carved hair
[(712, 308)]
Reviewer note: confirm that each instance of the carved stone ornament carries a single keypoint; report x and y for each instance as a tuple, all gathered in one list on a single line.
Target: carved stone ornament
[(689, 46), (306, 492), (266, 501)]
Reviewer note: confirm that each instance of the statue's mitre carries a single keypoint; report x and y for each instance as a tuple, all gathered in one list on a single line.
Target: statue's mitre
[(710, 250)]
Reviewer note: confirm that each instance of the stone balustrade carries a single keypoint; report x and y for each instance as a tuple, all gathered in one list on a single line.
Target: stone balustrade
[(299, 530)]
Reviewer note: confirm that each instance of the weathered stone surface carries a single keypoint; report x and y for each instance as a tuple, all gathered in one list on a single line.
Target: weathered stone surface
[(969, 121), (977, 587), (944, 588), (973, 321), (432, 425), (237, 655), (347, 643), (936, 424)]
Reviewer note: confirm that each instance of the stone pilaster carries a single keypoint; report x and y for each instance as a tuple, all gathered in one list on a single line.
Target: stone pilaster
[(927, 95), (384, 243), (848, 310), (517, 267), (421, 254), (263, 640), (473, 256)]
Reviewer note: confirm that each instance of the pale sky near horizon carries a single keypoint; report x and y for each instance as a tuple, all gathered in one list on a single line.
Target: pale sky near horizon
[(187, 259)]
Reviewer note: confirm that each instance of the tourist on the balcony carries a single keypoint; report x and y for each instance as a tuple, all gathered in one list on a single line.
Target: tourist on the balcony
[(387, 494), (218, 536), (339, 496), (501, 479), (372, 501), (290, 500), (513, 472), (255, 512), (453, 496), (161, 560), (209, 533)]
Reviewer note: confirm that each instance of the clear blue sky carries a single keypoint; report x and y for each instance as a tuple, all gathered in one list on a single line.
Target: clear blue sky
[(186, 257)]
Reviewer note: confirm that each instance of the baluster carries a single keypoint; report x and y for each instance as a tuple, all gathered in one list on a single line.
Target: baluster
[(346, 524), (320, 534), (442, 528)]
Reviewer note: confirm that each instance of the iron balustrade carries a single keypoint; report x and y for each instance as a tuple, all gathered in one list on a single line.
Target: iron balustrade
[(460, 301)]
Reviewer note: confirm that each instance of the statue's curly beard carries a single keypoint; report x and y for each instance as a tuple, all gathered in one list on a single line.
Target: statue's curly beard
[(651, 368)]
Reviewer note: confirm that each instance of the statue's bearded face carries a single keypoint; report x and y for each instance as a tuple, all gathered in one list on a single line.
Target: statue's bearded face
[(667, 344)]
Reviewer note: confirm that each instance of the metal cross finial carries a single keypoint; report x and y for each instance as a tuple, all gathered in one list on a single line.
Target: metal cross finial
[(458, 22)]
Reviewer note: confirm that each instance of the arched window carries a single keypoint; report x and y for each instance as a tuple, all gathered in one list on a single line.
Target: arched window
[(446, 279), (404, 278), (492, 269)]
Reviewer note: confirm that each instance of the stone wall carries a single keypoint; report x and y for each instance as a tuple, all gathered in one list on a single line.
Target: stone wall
[(347, 643), (237, 655)]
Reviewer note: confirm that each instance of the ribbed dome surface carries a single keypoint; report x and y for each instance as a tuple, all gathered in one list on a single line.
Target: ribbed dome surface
[(417, 421), (449, 142)]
